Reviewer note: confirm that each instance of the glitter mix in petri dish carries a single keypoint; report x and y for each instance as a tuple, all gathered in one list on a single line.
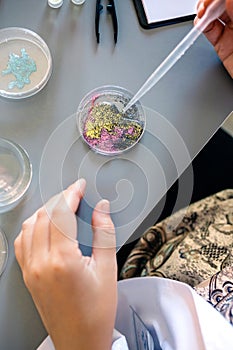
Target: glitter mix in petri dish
[(102, 124)]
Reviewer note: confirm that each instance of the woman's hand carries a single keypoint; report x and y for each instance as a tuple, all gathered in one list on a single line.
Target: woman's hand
[(75, 295), (220, 33)]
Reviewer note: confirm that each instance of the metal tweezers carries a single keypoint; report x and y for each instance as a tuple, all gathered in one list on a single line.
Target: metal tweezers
[(112, 10)]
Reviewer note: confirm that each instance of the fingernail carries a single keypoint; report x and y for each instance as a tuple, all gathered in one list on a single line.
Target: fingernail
[(81, 184), (104, 206)]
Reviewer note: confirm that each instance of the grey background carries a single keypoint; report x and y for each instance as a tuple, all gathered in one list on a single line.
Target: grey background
[(183, 111)]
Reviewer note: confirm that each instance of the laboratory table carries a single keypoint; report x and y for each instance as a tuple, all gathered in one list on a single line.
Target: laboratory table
[(183, 111)]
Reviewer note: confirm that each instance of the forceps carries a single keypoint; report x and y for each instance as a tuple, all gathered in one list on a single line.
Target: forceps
[(112, 11)]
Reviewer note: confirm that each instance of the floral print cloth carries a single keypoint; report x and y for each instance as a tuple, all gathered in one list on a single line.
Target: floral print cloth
[(195, 246)]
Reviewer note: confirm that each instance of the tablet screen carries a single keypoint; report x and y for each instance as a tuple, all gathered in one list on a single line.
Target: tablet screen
[(162, 10)]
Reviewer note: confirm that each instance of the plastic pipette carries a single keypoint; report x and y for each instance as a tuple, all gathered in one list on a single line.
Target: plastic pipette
[(213, 11)]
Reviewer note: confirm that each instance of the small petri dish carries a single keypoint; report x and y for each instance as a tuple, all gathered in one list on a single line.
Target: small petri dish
[(3, 251), (104, 127), (78, 2), (55, 3), (15, 174), (25, 63)]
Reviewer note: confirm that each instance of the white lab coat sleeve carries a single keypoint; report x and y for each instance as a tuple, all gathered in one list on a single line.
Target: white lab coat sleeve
[(118, 343), (158, 313)]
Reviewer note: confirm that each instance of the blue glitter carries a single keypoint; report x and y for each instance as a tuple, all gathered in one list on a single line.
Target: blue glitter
[(21, 67)]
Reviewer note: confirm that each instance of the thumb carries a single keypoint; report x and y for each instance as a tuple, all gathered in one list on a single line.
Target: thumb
[(200, 7), (104, 239)]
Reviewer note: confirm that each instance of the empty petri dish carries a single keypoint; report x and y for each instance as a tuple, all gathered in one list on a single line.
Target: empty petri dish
[(15, 174), (104, 127), (3, 251), (25, 63)]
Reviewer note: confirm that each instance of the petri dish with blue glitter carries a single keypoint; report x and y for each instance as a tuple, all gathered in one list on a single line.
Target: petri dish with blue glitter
[(25, 63)]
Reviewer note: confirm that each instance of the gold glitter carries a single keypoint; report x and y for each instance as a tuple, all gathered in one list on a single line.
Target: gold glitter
[(110, 129), (104, 116)]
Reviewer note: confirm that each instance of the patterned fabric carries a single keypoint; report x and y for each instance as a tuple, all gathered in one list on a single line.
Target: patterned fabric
[(195, 246), (218, 291)]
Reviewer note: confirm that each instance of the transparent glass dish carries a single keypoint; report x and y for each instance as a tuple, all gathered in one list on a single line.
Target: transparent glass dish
[(15, 174), (102, 125), (25, 63), (3, 251)]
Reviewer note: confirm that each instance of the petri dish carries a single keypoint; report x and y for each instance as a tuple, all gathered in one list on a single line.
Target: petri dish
[(55, 3), (3, 251), (78, 2), (25, 63), (102, 125), (15, 174)]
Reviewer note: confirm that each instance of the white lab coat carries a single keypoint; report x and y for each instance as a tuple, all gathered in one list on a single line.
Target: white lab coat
[(155, 313)]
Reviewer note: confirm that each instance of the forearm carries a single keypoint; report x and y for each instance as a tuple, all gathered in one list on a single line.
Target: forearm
[(94, 333), (80, 342)]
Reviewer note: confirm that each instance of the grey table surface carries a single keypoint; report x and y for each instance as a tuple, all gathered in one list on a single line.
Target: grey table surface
[(183, 111)]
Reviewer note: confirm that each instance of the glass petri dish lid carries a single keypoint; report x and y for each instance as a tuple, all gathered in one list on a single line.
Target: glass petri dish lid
[(3, 251), (25, 63), (15, 174), (104, 127)]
